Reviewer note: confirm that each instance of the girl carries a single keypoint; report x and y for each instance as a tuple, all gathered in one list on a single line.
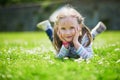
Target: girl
[(71, 38)]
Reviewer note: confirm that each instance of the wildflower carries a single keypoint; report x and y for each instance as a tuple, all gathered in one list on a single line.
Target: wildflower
[(66, 58), (118, 61), (51, 62), (79, 60), (117, 49), (87, 61)]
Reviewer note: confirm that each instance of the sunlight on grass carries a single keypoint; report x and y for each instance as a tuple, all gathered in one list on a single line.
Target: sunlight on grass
[(30, 56)]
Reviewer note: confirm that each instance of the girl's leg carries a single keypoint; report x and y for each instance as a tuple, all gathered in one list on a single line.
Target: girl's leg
[(46, 26), (99, 28)]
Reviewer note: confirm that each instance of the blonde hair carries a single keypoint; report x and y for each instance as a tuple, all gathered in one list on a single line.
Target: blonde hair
[(68, 11)]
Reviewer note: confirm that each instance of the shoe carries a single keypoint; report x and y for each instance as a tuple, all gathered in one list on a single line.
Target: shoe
[(100, 27), (44, 25)]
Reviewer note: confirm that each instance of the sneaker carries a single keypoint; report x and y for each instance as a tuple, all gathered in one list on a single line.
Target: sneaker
[(99, 28), (44, 25)]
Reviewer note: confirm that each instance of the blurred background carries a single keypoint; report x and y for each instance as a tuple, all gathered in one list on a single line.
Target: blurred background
[(23, 15)]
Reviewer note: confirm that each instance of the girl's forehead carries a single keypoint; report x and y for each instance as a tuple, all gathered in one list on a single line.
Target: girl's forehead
[(68, 21)]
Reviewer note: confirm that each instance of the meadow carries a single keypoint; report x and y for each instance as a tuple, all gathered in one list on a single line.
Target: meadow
[(31, 56)]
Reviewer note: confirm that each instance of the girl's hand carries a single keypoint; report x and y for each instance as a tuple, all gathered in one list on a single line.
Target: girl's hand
[(64, 42), (75, 39)]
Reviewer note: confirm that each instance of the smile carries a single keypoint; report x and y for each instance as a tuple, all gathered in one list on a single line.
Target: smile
[(69, 37)]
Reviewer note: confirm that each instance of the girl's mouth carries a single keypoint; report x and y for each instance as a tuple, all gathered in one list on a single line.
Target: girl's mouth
[(69, 37)]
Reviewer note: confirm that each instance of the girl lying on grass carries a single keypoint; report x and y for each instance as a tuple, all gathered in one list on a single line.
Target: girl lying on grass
[(70, 37)]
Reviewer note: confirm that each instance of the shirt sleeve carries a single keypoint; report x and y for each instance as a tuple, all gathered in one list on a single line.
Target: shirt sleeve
[(85, 52), (63, 52)]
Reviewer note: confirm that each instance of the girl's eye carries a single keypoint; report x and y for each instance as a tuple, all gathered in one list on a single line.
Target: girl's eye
[(71, 27), (62, 28)]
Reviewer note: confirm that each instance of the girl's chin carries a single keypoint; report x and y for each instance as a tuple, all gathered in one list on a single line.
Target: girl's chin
[(69, 40)]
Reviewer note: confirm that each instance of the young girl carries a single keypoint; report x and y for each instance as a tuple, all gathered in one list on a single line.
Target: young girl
[(71, 38)]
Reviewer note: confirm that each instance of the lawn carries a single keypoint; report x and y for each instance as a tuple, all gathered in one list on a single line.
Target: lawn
[(30, 56)]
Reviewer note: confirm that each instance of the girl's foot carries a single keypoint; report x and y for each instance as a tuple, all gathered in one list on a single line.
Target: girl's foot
[(44, 25), (99, 28)]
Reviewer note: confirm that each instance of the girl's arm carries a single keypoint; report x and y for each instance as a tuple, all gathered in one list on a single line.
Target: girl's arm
[(63, 52), (85, 52)]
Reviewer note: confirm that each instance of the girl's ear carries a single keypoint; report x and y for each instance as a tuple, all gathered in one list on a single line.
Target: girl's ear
[(81, 26), (57, 31), (80, 32)]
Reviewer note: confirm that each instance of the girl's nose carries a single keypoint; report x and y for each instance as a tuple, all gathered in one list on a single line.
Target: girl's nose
[(68, 32)]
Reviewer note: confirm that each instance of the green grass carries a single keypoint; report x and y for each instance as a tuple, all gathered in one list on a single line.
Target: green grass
[(30, 56)]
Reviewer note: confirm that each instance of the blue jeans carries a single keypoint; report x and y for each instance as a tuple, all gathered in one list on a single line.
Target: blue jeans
[(50, 34)]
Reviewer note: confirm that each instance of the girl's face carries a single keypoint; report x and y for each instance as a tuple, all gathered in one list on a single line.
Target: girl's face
[(67, 28)]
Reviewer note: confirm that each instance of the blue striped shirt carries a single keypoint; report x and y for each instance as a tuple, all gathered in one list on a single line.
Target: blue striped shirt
[(82, 51)]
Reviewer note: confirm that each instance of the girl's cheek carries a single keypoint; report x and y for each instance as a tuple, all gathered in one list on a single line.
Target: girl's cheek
[(61, 32), (73, 32)]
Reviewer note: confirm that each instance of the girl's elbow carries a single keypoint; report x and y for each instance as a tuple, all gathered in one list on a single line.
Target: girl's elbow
[(87, 56), (90, 55), (59, 56)]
